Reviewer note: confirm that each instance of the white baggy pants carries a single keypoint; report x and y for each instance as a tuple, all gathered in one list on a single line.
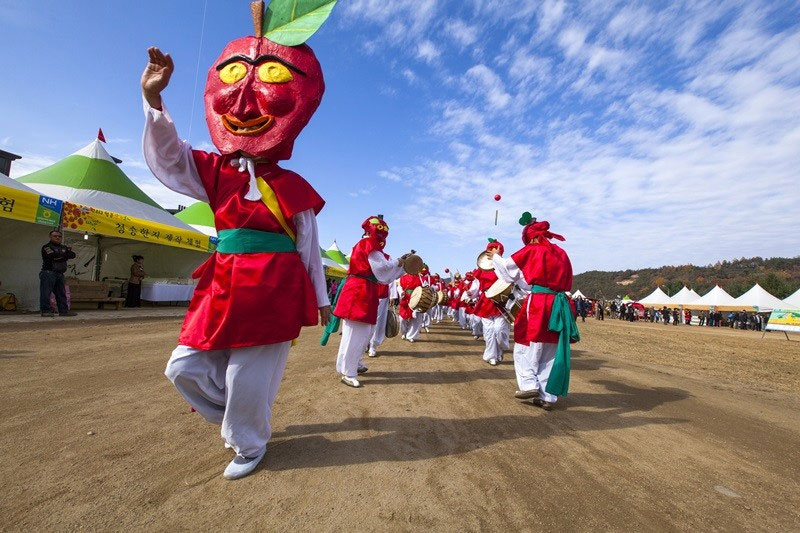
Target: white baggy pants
[(476, 323), (379, 329), (462, 318), (235, 387), (410, 328), (495, 335), (532, 365), (355, 337)]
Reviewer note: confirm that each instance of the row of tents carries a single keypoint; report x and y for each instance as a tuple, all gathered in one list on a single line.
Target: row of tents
[(756, 299), (106, 219)]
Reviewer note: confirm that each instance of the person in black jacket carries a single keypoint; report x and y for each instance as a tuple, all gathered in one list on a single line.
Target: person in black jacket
[(51, 278)]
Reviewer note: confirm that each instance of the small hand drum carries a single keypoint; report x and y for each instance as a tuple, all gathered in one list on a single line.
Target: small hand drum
[(413, 264)]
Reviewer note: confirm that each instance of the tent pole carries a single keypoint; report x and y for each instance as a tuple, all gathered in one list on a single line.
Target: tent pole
[(98, 264)]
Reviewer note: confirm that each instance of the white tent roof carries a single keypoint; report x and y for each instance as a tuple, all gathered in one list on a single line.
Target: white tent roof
[(760, 298), (792, 301), (716, 297), (11, 183), (657, 297), (684, 296), (577, 294)]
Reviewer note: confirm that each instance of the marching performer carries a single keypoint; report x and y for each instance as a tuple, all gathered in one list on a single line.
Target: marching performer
[(411, 320), (543, 370), (463, 285), (425, 281), (265, 280), (453, 295), (495, 326), (357, 302)]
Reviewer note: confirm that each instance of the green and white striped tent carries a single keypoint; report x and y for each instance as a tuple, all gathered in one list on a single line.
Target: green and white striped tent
[(92, 178), (200, 217)]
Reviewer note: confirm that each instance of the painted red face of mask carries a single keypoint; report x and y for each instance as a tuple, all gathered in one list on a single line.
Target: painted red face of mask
[(377, 229), (259, 95)]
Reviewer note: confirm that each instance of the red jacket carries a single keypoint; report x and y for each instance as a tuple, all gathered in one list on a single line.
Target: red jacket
[(250, 299), (548, 265), (359, 298)]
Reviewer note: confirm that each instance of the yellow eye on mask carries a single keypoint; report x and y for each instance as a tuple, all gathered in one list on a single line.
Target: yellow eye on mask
[(232, 72), (274, 72)]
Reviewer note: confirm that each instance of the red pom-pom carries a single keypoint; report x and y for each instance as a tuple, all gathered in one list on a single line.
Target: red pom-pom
[(497, 197), (446, 270)]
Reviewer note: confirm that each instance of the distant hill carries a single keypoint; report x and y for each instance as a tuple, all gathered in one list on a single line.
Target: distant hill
[(778, 275)]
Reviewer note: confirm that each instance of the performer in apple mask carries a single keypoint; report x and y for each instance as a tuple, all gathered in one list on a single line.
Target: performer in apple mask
[(265, 281)]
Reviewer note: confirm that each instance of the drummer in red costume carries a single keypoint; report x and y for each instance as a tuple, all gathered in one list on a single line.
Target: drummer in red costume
[(265, 280), (550, 320), (410, 319), (357, 302), (495, 326)]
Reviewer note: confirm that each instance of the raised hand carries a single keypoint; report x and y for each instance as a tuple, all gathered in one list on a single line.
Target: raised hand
[(155, 77)]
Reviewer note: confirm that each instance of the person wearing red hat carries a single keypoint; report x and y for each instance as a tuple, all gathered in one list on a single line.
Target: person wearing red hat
[(356, 304), (438, 310), (543, 369), (425, 281), (495, 327), (411, 321)]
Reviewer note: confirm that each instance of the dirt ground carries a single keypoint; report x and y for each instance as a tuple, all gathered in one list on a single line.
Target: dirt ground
[(665, 428)]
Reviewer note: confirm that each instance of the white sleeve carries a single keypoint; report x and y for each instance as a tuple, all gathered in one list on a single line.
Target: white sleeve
[(385, 270), (474, 289), (506, 269), (169, 158), (308, 248)]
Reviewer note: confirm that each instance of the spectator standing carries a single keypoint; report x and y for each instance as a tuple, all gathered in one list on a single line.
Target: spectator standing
[(134, 296), (51, 279)]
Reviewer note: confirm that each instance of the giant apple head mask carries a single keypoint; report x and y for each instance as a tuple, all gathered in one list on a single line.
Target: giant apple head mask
[(262, 91), (260, 95)]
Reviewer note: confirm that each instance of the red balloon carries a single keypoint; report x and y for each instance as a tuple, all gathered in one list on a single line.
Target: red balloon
[(497, 197), (446, 270)]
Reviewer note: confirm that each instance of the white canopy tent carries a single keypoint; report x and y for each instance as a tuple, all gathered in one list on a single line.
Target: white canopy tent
[(684, 297), (759, 299), (716, 298), (792, 301), (657, 297), (577, 294)]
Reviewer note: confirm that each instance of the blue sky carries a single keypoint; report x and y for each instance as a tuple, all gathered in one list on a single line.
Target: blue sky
[(646, 133)]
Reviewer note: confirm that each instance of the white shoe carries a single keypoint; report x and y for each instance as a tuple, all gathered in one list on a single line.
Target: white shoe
[(403, 337), (475, 337), (410, 340), (351, 382), (241, 465), (493, 362), (372, 353), (427, 330)]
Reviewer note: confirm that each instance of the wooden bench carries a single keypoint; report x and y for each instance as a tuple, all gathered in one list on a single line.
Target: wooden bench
[(82, 291)]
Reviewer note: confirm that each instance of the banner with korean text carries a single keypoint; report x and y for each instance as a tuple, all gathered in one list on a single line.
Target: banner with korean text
[(78, 217)]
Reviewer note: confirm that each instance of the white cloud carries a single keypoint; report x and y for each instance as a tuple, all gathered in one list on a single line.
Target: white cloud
[(484, 82), (461, 32), (427, 51), (643, 135)]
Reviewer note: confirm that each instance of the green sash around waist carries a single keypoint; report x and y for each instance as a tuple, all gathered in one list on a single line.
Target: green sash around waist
[(561, 322), (253, 241), (333, 325)]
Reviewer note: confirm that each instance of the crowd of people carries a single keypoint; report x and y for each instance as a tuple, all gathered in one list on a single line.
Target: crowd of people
[(632, 312)]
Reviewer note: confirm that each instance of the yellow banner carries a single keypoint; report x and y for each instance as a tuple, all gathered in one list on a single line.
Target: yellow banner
[(29, 206), (82, 218)]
